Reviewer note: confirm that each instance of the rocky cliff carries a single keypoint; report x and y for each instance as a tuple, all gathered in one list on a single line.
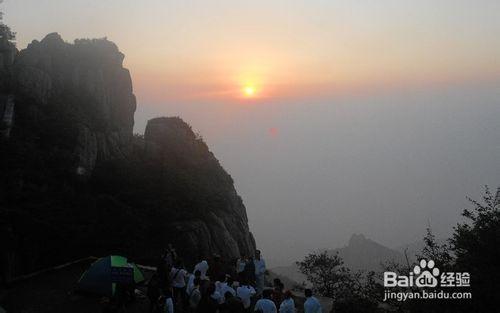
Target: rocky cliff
[(87, 82), (219, 222), (8, 53), (76, 181)]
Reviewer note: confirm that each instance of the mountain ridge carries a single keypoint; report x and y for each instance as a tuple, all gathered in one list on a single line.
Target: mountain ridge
[(360, 253), (78, 182)]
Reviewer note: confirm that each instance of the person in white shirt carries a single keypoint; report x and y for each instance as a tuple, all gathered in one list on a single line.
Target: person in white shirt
[(265, 305), (203, 268), (195, 297), (190, 283), (241, 263), (260, 270), (224, 286), (169, 304), (216, 296), (245, 292), (178, 277), (288, 305), (311, 305)]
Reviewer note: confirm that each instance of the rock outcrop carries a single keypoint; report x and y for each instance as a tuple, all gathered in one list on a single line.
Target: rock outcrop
[(88, 80), (8, 53), (222, 228), (77, 179)]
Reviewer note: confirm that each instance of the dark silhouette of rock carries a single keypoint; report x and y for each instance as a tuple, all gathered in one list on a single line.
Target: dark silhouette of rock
[(88, 78), (77, 182), (8, 52), (222, 228)]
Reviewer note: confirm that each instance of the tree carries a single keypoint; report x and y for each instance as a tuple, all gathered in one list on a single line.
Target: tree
[(351, 292), (476, 244), (5, 31), (473, 248), (324, 271), (439, 253)]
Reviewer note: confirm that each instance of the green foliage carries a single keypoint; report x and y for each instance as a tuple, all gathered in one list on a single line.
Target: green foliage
[(474, 248), (439, 253), (326, 272), (476, 244), (351, 292)]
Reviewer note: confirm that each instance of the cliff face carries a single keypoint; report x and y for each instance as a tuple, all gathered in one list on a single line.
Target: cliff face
[(219, 222), (77, 179), (85, 82), (7, 54)]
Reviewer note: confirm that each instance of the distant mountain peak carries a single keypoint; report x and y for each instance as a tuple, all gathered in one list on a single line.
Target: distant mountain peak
[(357, 239), (362, 253)]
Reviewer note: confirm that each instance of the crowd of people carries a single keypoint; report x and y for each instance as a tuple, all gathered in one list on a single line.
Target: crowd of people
[(217, 286)]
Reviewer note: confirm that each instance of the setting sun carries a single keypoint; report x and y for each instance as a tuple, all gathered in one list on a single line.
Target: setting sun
[(249, 91)]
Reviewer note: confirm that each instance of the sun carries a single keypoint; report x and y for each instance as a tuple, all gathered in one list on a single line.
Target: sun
[(249, 91)]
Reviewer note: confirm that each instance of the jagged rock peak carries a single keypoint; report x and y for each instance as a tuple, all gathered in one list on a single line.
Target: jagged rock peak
[(84, 83), (161, 129), (101, 48), (219, 222)]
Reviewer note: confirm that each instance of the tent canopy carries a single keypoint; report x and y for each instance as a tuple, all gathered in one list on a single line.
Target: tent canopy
[(104, 274)]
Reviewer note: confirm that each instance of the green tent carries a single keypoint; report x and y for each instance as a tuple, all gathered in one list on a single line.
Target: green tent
[(105, 273)]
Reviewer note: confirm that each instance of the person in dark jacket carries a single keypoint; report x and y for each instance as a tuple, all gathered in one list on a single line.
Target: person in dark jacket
[(250, 271), (154, 293), (209, 302), (216, 267), (231, 304), (277, 294)]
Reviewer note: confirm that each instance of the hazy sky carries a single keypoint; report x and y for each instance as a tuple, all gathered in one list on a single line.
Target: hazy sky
[(367, 116)]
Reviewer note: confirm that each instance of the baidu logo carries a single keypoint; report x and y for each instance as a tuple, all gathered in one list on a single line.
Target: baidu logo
[(426, 275), (426, 281)]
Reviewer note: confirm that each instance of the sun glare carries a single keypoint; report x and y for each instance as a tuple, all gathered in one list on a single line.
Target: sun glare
[(249, 91)]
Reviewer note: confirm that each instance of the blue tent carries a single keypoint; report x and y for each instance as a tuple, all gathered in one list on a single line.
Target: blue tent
[(103, 275)]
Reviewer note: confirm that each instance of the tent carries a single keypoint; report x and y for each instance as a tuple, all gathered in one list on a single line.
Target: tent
[(104, 274)]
